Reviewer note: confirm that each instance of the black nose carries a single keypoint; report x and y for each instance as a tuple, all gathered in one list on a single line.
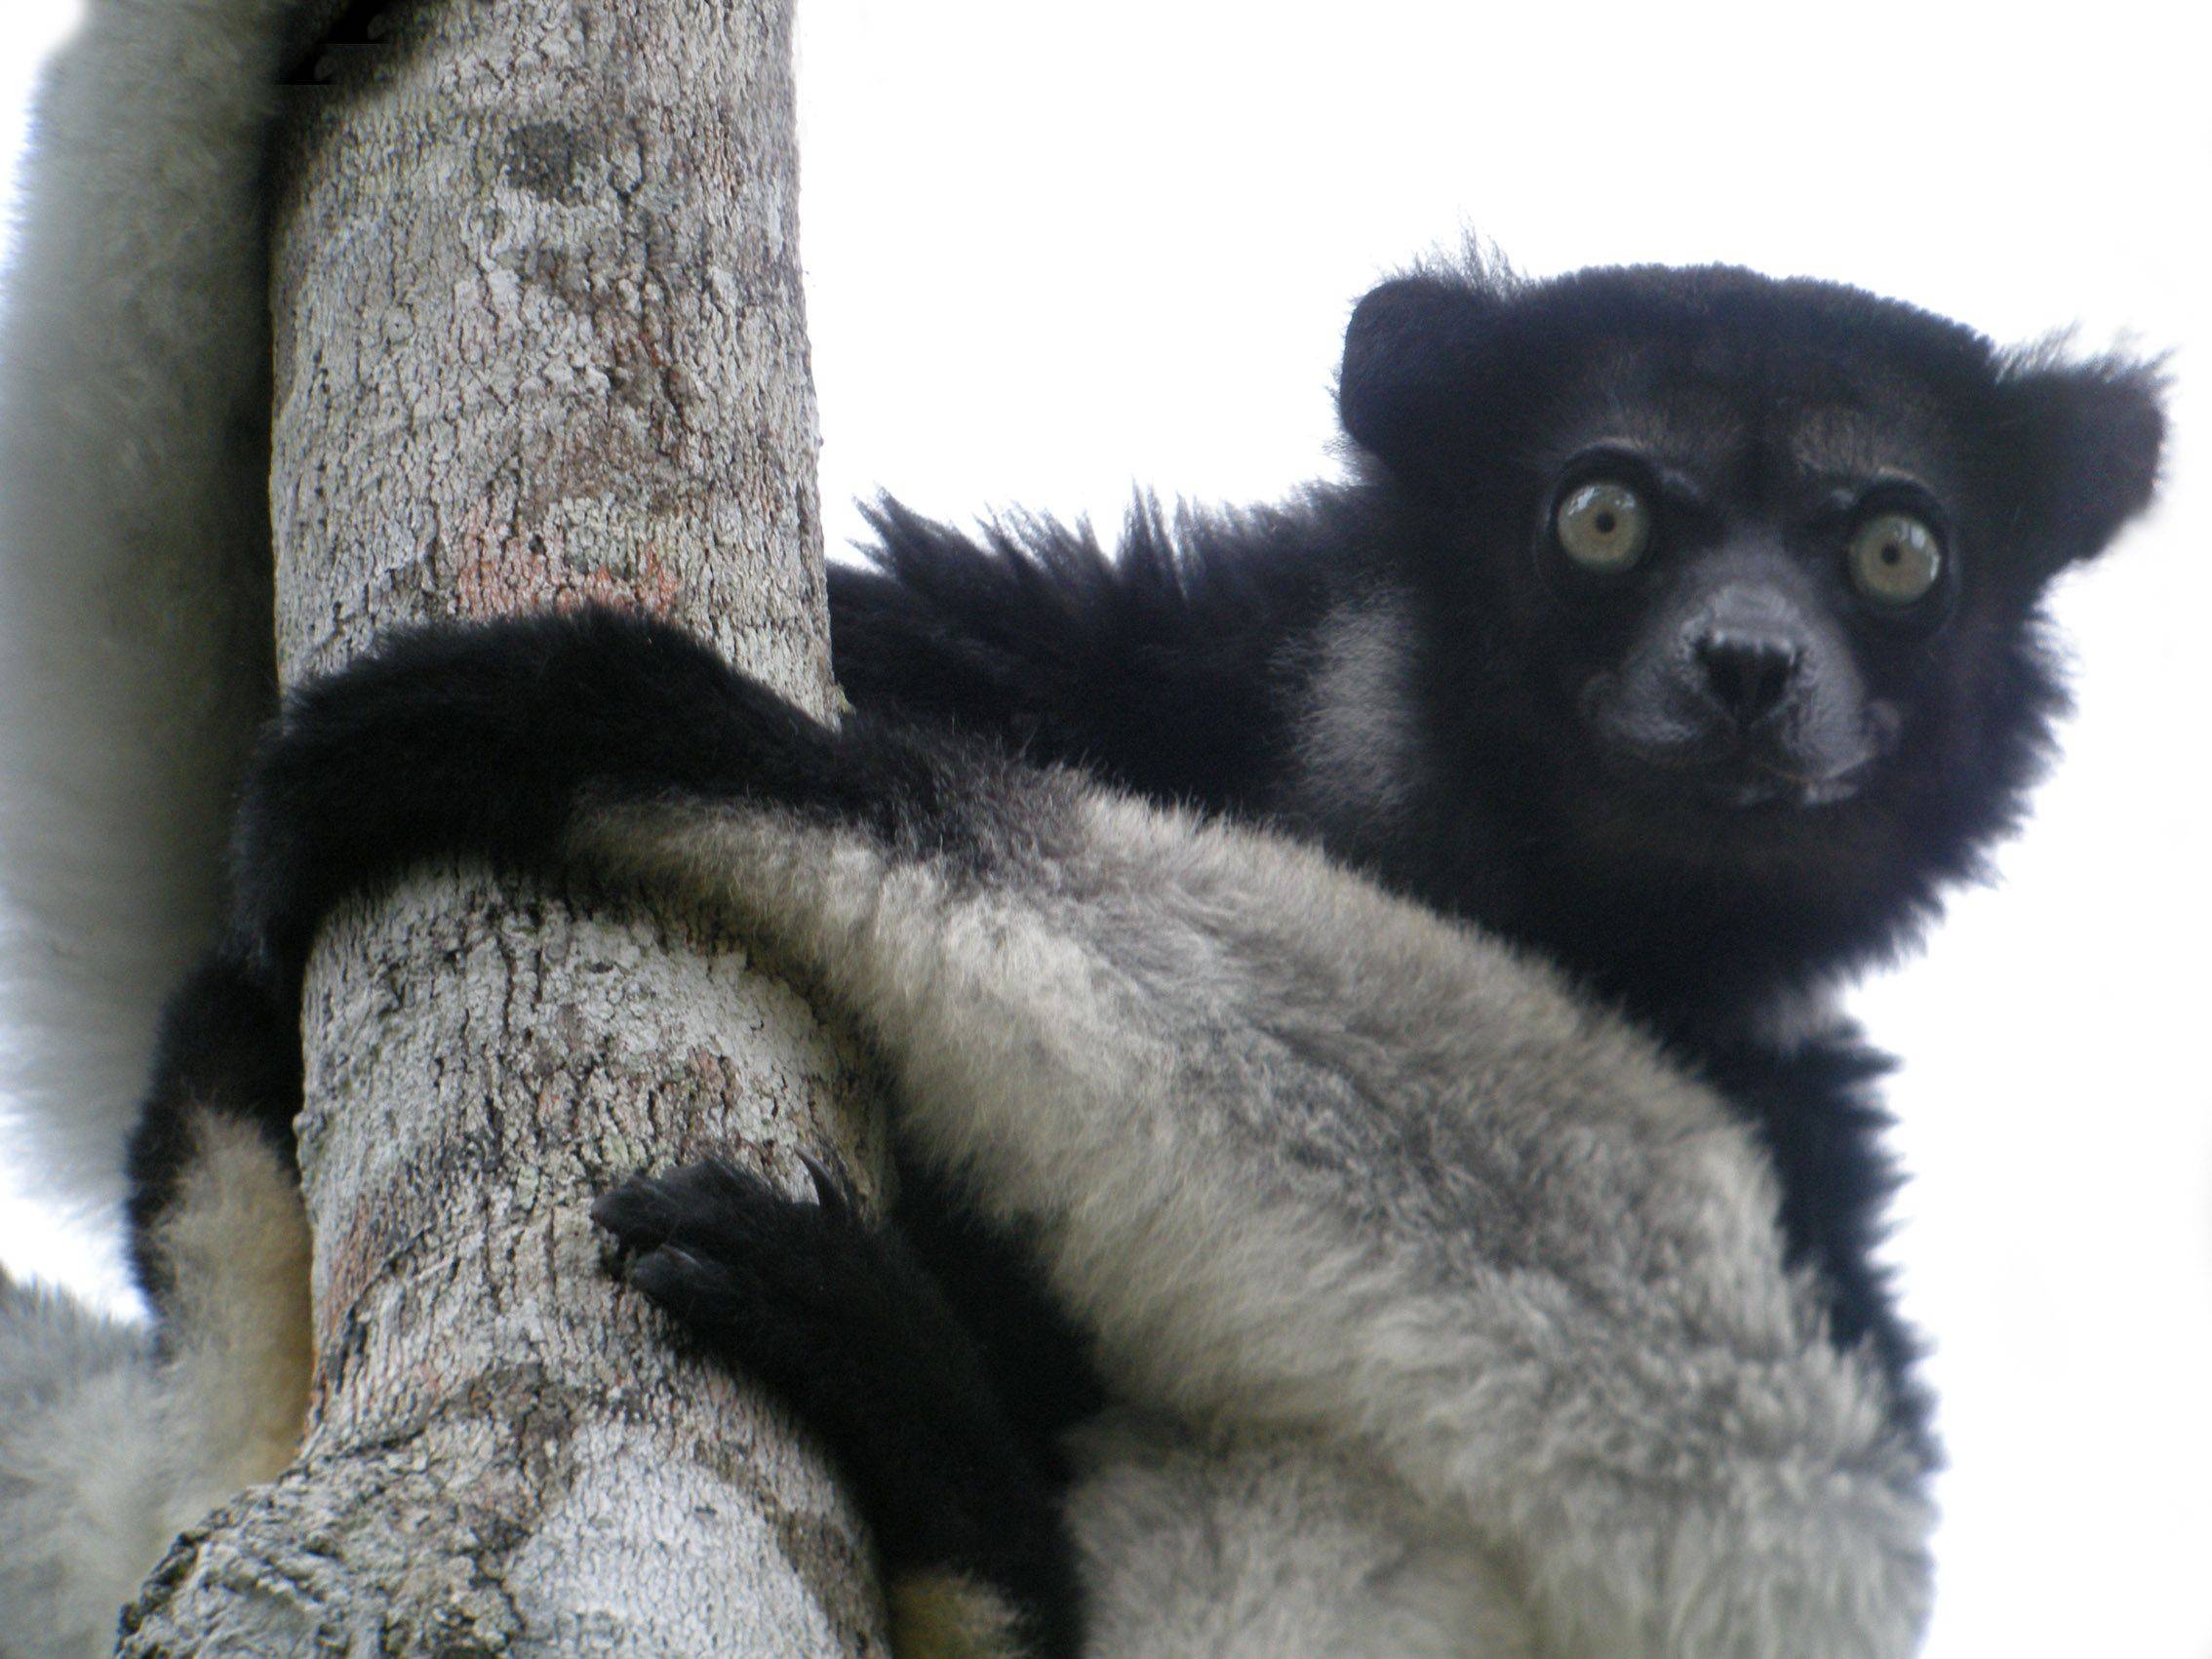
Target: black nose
[(1748, 674)]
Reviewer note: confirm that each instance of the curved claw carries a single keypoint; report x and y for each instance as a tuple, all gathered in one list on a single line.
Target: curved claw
[(832, 1190)]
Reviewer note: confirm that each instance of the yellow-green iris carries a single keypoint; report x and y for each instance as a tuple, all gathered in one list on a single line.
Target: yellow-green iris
[(1895, 558), (1603, 525)]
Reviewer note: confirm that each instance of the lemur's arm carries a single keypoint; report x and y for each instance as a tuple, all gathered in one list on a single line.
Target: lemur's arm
[(1295, 1152)]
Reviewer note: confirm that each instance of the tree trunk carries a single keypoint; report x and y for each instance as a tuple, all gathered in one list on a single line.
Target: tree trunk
[(539, 340)]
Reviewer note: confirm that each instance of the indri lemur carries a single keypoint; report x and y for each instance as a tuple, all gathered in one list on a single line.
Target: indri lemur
[(1680, 626), (1677, 627)]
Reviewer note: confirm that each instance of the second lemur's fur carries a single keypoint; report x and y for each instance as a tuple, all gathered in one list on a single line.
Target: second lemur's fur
[(136, 650)]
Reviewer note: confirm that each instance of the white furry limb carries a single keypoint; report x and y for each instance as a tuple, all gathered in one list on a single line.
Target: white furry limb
[(79, 1426), (135, 654)]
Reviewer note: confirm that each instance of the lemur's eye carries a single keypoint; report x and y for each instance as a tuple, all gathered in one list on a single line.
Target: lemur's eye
[(1603, 525), (1895, 558)]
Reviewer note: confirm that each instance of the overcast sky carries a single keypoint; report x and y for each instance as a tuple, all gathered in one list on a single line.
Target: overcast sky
[(1051, 252)]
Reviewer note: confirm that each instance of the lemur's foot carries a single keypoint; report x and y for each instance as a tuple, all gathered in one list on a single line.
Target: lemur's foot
[(775, 1284), (835, 1316)]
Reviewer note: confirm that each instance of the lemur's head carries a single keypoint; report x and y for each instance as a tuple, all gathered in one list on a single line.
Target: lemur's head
[(1742, 574)]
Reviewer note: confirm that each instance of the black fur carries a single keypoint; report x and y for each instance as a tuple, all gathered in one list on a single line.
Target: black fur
[(1157, 667), (359, 29), (1039, 1361), (483, 741)]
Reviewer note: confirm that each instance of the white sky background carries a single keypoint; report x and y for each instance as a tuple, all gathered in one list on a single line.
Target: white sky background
[(1050, 254)]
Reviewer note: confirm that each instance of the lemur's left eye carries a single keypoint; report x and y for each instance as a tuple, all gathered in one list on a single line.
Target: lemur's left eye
[(1895, 558), (1603, 525)]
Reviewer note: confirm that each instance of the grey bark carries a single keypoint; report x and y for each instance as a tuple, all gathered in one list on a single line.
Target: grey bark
[(539, 338)]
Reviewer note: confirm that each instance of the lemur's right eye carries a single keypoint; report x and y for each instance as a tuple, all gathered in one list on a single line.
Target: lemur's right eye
[(1896, 559), (1603, 525)]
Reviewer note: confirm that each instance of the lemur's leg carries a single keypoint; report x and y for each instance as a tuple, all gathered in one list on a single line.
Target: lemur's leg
[(1299, 1154), (839, 1319)]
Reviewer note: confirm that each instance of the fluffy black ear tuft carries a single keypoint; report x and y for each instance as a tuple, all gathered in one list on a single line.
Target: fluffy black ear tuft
[(2089, 440), (1409, 355)]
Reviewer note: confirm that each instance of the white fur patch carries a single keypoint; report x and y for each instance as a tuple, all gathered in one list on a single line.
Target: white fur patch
[(1357, 733)]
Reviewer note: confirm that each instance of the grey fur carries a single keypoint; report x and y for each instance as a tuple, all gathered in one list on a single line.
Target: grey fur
[(75, 1392), (1389, 1234), (1360, 738)]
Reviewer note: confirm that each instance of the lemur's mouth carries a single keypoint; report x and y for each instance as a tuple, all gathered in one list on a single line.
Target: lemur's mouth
[(1755, 786), (1796, 763)]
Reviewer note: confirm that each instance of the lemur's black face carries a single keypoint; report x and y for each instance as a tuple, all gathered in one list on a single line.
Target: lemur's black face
[(1739, 608), (1726, 649), (1739, 577)]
